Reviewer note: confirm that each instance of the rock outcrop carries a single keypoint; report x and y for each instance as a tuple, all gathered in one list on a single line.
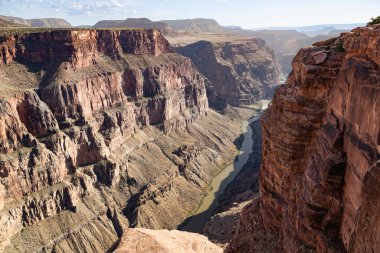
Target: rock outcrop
[(240, 72), (319, 179), (92, 132), (149, 241)]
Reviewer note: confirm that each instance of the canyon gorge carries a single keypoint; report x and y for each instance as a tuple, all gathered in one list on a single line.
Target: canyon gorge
[(111, 141), (101, 131)]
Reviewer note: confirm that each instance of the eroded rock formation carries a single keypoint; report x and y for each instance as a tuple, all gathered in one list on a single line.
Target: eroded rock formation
[(240, 72), (319, 179), (92, 128)]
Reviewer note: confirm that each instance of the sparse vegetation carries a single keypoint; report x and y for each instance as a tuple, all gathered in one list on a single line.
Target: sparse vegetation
[(374, 21), (339, 48)]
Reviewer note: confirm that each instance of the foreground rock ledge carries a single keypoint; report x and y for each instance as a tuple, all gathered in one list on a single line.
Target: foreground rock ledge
[(164, 241)]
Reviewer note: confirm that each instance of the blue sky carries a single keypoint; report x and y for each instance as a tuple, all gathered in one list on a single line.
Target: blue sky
[(245, 13)]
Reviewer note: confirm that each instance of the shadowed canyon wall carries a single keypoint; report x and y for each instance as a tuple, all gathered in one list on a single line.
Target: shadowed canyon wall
[(319, 179), (240, 72)]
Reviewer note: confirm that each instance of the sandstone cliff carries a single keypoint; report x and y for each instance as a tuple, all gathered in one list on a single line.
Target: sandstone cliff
[(100, 130), (319, 179), (240, 72)]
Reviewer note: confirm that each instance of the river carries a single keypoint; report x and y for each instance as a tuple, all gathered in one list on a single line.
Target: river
[(220, 182)]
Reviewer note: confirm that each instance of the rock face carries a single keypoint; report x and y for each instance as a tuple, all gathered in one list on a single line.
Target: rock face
[(101, 130), (149, 241), (79, 49), (240, 72), (319, 179)]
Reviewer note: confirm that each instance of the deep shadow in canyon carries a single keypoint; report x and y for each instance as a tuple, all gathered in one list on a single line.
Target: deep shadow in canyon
[(239, 186)]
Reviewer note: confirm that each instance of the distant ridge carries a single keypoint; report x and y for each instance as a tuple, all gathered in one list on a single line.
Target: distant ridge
[(49, 22), (195, 25), (314, 28), (168, 27), (6, 23), (41, 22), (135, 23), (15, 20)]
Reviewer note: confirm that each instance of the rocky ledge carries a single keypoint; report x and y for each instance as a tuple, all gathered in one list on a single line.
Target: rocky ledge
[(153, 241), (320, 173), (240, 72), (100, 130)]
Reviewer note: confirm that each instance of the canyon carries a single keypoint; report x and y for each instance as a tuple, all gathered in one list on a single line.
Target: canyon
[(101, 130), (111, 139)]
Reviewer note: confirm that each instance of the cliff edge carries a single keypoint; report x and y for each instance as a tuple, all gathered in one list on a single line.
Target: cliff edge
[(320, 173)]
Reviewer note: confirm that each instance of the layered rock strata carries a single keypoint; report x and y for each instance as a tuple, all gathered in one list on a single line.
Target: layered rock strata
[(240, 72), (319, 179), (92, 132)]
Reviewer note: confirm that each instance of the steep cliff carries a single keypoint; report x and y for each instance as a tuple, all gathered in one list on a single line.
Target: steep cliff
[(319, 179), (99, 131), (240, 72)]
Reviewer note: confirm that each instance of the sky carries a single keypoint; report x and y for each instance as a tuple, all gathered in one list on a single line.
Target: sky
[(244, 13)]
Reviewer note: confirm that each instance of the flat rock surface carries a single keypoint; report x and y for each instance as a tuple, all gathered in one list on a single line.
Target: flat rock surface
[(164, 241)]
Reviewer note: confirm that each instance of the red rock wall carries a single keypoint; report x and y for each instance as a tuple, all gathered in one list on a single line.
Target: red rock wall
[(319, 176), (320, 141), (79, 48), (95, 90)]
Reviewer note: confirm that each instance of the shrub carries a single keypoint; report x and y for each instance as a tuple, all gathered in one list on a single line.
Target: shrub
[(340, 48), (374, 21)]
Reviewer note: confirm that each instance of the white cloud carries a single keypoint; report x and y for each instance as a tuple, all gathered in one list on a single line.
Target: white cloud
[(73, 6)]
